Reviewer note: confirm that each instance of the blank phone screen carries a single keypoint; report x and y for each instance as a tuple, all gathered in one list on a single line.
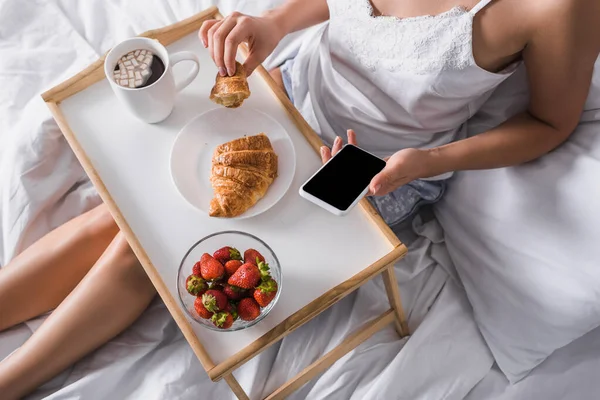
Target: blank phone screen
[(344, 177)]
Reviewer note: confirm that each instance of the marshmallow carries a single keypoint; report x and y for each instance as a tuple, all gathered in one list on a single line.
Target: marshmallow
[(134, 68)]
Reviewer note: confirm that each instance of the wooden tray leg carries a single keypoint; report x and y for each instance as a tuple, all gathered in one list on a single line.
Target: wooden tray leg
[(356, 338), (236, 388), (391, 287)]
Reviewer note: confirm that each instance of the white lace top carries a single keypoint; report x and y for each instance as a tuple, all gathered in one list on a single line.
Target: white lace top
[(409, 82)]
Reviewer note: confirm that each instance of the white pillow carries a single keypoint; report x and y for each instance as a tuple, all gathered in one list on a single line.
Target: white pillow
[(526, 240)]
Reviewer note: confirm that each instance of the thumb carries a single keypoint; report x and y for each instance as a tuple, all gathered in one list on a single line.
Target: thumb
[(381, 183), (252, 61)]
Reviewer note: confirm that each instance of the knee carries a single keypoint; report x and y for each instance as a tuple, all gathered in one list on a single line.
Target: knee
[(123, 253), (100, 221), (125, 264)]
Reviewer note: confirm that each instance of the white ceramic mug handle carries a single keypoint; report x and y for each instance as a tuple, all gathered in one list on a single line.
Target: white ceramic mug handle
[(186, 56)]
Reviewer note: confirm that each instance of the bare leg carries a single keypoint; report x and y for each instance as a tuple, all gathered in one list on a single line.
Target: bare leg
[(42, 276), (110, 297)]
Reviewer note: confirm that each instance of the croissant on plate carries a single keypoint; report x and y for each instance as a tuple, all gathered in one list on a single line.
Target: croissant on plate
[(242, 171), (231, 91)]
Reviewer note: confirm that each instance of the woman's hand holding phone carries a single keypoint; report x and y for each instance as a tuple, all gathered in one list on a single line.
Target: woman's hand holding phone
[(401, 168)]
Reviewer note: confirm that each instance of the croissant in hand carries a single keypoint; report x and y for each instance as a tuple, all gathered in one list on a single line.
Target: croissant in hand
[(242, 171), (231, 91)]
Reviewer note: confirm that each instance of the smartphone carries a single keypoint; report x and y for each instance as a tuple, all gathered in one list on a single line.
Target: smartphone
[(340, 184)]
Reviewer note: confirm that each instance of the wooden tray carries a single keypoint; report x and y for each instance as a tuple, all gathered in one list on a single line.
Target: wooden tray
[(127, 162)]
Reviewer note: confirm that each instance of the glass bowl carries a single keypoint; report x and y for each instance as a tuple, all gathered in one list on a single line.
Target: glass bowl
[(211, 243)]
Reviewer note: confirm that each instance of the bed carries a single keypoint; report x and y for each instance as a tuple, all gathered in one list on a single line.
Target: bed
[(447, 356)]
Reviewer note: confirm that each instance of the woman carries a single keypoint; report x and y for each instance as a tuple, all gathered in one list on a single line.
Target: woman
[(407, 74), (406, 83)]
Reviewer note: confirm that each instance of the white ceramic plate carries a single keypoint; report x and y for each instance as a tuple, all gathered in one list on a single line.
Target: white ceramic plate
[(194, 146)]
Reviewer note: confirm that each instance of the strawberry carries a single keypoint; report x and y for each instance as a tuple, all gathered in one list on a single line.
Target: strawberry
[(231, 266), (201, 310), (265, 292), (214, 300), (217, 285), (196, 269), (253, 257), (247, 276), (227, 253), (211, 269), (232, 309), (234, 292), (248, 309), (222, 320), (195, 285)]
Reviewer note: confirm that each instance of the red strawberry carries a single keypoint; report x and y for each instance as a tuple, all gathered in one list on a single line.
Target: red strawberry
[(196, 269), (234, 292), (195, 285), (265, 292), (214, 300), (248, 309), (227, 253), (232, 309), (211, 269), (201, 310), (222, 320), (247, 276), (253, 257), (217, 285), (231, 266)]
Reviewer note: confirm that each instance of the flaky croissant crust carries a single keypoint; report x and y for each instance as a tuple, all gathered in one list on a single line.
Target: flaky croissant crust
[(242, 171), (231, 91)]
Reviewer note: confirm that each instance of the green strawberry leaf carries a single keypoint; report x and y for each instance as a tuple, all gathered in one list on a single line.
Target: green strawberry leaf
[(210, 302), (234, 254), (195, 285), (219, 318), (264, 269), (268, 286)]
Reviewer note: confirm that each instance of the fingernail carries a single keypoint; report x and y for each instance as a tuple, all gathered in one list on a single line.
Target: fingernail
[(204, 43), (230, 72), (322, 149), (337, 139), (222, 71), (376, 189)]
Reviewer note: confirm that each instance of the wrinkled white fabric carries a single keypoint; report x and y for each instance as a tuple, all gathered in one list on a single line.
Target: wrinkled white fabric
[(524, 241)]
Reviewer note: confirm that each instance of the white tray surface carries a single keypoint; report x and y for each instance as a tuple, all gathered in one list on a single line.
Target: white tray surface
[(317, 250)]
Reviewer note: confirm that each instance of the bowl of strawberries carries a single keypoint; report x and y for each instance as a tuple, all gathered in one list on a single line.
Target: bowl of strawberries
[(229, 281)]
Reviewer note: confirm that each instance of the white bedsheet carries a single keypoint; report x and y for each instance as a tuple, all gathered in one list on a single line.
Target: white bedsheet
[(42, 186)]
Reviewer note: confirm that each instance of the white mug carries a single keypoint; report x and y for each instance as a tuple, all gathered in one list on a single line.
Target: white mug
[(152, 103)]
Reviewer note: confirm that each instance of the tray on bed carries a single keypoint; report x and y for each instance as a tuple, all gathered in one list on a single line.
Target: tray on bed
[(128, 162)]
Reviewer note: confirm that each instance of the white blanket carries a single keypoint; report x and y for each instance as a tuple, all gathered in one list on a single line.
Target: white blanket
[(42, 186)]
